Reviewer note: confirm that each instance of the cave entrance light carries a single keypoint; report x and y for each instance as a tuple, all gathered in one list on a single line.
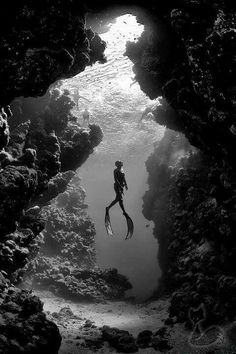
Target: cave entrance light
[(116, 105), (116, 100)]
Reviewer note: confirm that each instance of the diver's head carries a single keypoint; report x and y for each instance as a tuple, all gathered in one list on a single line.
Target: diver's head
[(119, 164)]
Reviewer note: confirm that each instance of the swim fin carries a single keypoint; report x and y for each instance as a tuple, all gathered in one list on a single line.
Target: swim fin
[(108, 223), (130, 226)]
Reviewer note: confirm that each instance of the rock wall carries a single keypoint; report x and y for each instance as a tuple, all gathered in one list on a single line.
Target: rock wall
[(188, 56), (190, 202), (40, 43)]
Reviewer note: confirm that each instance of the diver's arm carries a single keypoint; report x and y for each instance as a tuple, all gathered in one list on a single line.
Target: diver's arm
[(116, 179), (125, 183)]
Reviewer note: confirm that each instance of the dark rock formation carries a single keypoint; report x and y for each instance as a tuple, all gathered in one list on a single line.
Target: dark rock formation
[(32, 157), (124, 342), (61, 144), (160, 165), (77, 144), (189, 58), (17, 187), (56, 185), (121, 340), (190, 201), (24, 327), (41, 43)]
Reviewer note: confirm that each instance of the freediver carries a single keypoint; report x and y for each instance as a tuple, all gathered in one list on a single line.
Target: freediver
[(147, 113), (86, 116), (119, 185), (77, 97)]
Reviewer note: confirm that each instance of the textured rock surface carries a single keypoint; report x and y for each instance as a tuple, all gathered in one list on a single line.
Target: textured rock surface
[(34, 54), (189, 59), (24, 326), (32, 158), (190, 201), (124, 342), (41, 43)]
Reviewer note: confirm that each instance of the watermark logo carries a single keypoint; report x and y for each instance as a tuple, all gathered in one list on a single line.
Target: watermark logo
[(202, 336)]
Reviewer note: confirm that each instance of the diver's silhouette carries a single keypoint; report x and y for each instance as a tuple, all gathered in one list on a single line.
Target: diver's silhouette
[(86, 116), (119, 185), (77, 97)]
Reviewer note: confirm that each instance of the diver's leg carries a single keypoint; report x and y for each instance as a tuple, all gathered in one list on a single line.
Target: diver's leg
[(122, 206), (120, 199), (112, 203)]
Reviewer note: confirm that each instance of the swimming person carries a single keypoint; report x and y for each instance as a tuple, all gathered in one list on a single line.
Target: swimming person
[(119, 185), (86, 116)]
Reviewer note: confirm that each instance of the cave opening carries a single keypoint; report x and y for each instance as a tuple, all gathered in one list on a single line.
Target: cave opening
[(116, 103)]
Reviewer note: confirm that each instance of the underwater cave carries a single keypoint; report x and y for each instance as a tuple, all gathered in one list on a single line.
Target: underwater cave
[(83, 85)]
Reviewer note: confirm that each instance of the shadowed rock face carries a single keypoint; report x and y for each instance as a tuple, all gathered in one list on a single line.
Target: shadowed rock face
[(191, 63), (33, 156), (41, 43), (24, 327), (190, 201)]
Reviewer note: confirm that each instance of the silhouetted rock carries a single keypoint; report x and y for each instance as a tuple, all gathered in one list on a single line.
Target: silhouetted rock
[(121, 340), (24, 327), (4, 132), (77, 144), (36, 53), (144, 339), (17, 187), (196, 241), (186, 55)]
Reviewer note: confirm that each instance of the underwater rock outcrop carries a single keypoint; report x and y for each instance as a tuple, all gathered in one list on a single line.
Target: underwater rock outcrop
[(40, 43), (66, 264), (24, 326), (30, 165), (190, 202), (187, 56)]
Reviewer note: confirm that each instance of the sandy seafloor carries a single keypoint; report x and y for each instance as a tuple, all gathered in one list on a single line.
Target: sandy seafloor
[(123, 315)]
